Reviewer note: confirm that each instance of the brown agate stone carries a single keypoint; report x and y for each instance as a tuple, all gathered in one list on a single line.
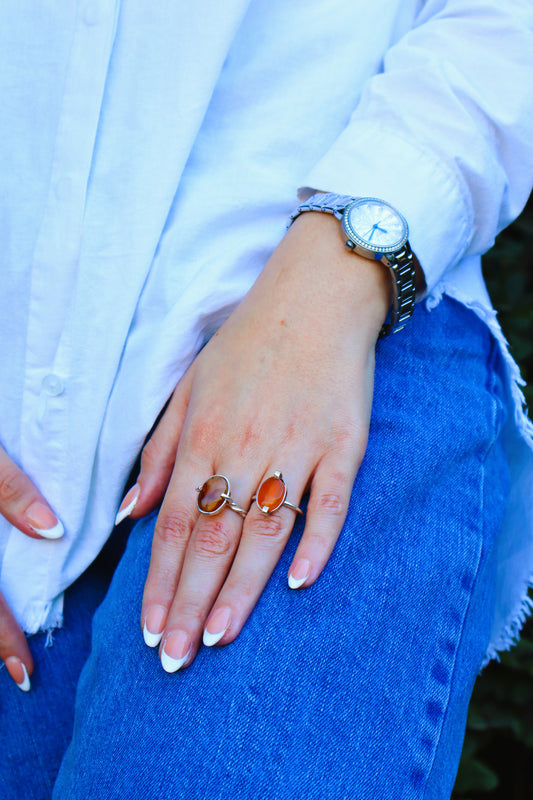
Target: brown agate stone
[(209, 494), (271, 494)]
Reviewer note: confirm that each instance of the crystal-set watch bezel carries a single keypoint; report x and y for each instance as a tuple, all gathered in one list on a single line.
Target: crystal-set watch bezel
[(378, 249)]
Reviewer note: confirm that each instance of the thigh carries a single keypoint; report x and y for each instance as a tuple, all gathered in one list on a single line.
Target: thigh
[(359, 685), (36, 727)]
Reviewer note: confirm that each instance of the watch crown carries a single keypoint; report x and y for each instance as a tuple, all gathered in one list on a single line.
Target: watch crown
[(349, 244)]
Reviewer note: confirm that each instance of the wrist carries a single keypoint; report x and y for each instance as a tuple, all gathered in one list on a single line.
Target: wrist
[(359, 286)]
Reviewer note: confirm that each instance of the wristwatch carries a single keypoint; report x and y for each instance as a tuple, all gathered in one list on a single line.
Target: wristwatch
[(375, 230)]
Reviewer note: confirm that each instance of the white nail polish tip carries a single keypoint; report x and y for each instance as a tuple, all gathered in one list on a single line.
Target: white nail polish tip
[(173, 664), (151, 639), (295, 583), (209, 639), (25, 686), (126, 511), (50, 533)]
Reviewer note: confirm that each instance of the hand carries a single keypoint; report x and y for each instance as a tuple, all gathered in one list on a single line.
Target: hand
[(286, 384), (27, 510)]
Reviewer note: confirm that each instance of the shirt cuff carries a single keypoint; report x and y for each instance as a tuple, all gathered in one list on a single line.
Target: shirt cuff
[(370, 161)]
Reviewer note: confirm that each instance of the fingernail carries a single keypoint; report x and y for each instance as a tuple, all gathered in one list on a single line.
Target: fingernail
[(177, 648), (154, 625), (18, 672), (217, 626), (128, 504), (299, 573), (43, 521)]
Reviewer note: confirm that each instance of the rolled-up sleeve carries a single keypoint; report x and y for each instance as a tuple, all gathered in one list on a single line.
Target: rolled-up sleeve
[(445, 131)]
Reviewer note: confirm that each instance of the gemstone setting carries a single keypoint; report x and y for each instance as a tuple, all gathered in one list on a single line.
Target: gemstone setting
[(213, 494), (271, 494)]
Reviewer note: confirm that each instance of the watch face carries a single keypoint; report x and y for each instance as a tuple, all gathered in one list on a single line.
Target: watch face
[(375, 225)]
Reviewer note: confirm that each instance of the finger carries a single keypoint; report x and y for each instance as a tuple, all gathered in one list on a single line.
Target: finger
[(172, 532), (263, 540), (326, 513), (14, 650), (208, 558), (158, 457), (23, 505)]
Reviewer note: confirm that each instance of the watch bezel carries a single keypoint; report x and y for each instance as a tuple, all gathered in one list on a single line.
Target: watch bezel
[(362, 243)]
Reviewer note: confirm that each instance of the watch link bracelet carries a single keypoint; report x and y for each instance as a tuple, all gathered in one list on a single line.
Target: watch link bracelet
[(375, 230)]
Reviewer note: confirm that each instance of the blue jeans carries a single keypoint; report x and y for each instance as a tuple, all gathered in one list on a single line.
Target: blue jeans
[(357, 687)]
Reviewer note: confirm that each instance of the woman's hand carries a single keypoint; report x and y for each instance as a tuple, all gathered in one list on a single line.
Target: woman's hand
[(285, 385), (27, 510)]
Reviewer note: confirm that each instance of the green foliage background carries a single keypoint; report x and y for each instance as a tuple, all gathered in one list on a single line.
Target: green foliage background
[(497, 759)]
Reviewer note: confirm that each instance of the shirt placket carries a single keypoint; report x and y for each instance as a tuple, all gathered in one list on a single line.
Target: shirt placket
[(47, 399)]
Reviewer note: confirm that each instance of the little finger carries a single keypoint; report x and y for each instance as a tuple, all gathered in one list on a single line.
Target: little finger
[(326, 513)]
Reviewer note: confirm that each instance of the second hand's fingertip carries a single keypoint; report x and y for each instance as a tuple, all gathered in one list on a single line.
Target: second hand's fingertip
[(43, 521), (128, 504), (19, 673), (50, 533)]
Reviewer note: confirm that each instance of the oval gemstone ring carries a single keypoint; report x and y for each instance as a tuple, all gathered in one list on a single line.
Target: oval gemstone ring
[(271, 495), (215, 494)]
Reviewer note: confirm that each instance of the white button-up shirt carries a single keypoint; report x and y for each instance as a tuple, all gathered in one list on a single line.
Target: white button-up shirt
[(149, 158)]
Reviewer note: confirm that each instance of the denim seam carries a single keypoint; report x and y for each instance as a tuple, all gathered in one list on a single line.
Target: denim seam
[(497, 429), (459, 640)]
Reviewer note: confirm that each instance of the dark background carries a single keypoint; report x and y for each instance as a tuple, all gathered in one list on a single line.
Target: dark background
[(497, 760)]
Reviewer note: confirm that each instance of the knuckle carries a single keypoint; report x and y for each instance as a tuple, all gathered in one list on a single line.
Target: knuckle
[(330, 503), (189, 609), (214, 539), (174, 528), (272, 526), (149, 456), (201, 435), (10, 487)]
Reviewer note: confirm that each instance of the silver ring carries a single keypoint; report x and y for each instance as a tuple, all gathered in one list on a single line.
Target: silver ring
[(272, 494), (214, 495)]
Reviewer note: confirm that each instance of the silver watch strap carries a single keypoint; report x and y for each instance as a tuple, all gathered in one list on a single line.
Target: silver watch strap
[(401, 265), (329, 202)]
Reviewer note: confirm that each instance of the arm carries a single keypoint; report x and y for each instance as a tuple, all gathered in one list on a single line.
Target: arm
[(287, 382)]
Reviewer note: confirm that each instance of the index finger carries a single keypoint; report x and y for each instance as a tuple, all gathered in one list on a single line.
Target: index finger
[(23, 505)]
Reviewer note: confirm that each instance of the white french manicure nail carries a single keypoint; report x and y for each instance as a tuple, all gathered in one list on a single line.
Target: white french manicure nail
[(151, 639), (179, 644), (209, 639), (299, 573), (14, 666), (43, 521), (50, 533), (220, 623), (128, 503), (170, 664), (25, 686)]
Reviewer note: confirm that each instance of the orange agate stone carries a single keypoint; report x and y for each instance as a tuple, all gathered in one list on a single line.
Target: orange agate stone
[(271, 494)]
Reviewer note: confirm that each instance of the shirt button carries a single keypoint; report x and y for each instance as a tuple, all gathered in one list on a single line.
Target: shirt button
[(53, 385)]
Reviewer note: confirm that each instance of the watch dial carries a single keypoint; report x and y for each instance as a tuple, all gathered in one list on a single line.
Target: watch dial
[(375, 225)]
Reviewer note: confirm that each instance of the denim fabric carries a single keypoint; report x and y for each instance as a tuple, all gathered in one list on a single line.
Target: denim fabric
[(357, 687)]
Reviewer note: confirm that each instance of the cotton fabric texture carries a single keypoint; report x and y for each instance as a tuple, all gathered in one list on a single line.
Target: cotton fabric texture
[(149, 159), (354, 688)]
